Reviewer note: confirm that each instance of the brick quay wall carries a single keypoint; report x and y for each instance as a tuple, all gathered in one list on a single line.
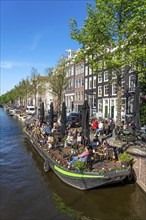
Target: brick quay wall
[(139, 166)]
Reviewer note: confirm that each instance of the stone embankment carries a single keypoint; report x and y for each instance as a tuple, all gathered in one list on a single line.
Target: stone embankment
[(139, 155), (139, 166)]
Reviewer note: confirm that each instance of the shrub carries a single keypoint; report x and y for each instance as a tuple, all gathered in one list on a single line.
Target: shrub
[(125, 157), (79, 164)]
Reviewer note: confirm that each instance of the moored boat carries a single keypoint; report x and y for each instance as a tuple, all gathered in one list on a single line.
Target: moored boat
[(81, 179)]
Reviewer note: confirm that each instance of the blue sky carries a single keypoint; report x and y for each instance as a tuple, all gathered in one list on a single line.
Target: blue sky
[(35, 34)]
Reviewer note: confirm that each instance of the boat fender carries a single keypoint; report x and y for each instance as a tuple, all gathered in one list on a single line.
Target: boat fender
[(46, 166)]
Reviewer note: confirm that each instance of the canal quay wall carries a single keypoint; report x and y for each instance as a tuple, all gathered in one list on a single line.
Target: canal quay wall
[(139, 155), (139, 166)]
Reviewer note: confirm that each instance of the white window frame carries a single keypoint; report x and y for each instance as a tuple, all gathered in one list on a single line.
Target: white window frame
[(79, 82), (86, 83), (99, 91), (122, 71), (79, 96), (86, 70), (100, 77), (131, 83), (100, 106), (114, 88), (76, 84), (82, 81), (82, 95), (90, 71), (90, 82), (106, 76), (106, 87), (94, 82)]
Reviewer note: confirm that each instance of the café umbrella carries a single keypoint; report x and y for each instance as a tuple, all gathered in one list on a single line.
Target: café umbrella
[(63, 119), (51, 114), (85, 122), (42, 112)]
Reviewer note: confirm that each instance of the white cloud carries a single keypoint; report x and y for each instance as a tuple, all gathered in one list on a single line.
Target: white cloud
[(6, 64)]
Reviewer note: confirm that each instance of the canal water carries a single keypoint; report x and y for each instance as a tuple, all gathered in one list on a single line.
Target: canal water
[(28, 193)]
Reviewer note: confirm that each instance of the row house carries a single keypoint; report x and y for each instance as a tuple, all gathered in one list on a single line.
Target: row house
[(99, 91), (69, 93), (74, 94)]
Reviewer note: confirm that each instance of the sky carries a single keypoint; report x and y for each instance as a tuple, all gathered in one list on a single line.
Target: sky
[(35, 34)]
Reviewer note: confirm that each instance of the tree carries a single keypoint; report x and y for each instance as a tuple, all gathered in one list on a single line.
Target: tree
[(142, 83), (112, 37), (58, 81), (37, 84)]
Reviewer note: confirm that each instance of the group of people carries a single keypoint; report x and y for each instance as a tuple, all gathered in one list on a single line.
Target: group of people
[(102, 126), (45, 135)]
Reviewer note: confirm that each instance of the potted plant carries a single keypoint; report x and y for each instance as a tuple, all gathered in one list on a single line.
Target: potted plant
[(125, 158), (79, 165)]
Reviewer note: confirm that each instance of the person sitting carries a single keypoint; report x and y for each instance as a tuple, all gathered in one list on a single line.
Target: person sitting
[(82, 157), (105, 146), (47, 129), (95, 143), (94, 125), (100, 127), (50, 141), (79, 139), (69, 140)]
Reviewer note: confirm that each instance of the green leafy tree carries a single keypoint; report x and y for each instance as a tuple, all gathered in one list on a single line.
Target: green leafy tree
[(142, 84), (37, 84), (58, 81), (112, 37)]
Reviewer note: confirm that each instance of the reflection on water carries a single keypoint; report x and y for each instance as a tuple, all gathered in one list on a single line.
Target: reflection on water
[(114, 202), (28, 193), (66, 210)]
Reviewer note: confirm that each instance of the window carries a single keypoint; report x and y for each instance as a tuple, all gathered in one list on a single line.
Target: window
[(79, 82), (86, 96), (99, 90), (112, 102), (82, 95), (114, 76), (114, 89), (79, 96), (106, 90), (82, 68), (86, 83), (77, 70), (76, 83), (86, 70), (72, 70), (94, 81), (99, 77), (132, 83), (90, 82), (106, 76), (122, 71), (100, 105), (90, 71), (94, 100), (82, 82)]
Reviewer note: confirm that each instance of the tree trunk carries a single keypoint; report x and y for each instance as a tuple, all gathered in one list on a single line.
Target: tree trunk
[(119, 103)]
